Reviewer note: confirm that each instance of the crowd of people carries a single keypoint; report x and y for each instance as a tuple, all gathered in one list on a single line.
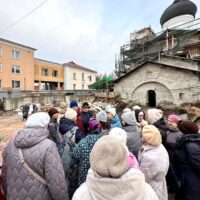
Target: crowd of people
[(95, 154)]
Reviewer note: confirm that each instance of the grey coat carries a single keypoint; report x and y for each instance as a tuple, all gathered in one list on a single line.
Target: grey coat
[(134, 142), (42, 156)]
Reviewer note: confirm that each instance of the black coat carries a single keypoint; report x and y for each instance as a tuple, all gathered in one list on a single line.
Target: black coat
[(67, 125), (162, 127), (187, 164)]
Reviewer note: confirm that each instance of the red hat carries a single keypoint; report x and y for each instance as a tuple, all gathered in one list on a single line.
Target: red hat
[(52, 111), (188, 127)]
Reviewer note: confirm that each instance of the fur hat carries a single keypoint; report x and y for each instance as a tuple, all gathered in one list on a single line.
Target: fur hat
[(119, 134), (39, 119), (52, 111), (102, 116), (151, 135), (109, 157), (85, 105), (70, 113), (129, 118), (154, 115), (73, 103), (112, 111), (174, 118), (188, 127)]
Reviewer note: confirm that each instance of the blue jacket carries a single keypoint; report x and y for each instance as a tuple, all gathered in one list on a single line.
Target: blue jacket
[(115, 122)]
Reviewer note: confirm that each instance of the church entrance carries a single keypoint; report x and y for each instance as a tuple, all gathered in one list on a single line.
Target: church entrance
[(151, 98)]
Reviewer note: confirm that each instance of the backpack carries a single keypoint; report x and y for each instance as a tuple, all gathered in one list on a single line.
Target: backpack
[(2, 195)]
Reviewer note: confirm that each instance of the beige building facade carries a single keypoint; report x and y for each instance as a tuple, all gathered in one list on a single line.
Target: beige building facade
[(77, 77), (16, 66), (48, 75)]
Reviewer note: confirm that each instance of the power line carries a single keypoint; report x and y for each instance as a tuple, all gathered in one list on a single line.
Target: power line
[(31, 11)]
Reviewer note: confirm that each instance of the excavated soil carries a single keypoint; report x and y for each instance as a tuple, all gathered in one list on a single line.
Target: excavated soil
[(9, 124)]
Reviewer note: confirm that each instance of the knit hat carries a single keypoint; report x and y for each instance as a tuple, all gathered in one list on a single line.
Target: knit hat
[(119, 134), (129, 118), (151, 135), (109, 157), (102, 116), (126, 110), (85, 105), (108, 107), (154, 115), (52, 111), (39, 119), (112, 111), (70, 113), (188, 127), (174, 118), (73, 103)]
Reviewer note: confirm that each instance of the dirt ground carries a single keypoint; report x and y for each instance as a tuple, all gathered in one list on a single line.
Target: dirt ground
[(9, 124)]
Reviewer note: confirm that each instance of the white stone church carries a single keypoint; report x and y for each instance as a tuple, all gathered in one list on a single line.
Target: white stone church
[(164, 67)]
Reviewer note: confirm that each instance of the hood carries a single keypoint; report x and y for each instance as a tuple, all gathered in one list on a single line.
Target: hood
[(69, 124), (128, 187), (29, 137), (131, 128), (195, 138)]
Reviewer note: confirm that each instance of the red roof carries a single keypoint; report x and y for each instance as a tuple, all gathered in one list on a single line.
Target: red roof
[(74, 65)]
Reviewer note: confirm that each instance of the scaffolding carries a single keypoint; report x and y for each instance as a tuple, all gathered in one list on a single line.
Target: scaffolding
[(171, 42)]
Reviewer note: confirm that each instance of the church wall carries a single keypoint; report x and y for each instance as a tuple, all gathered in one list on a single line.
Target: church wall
[(170, 84)]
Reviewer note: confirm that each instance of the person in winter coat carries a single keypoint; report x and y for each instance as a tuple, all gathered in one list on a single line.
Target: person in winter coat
[(71, 136), (187, 161), (67, 123), (53, 128), (110, 177), (154, 161), (134, 142), (84, 118), (25, 111), (31, 146), (172, 135), (155, 117), (140, 118), (102, 118), (113, 118), (82, 151), (121, 135)]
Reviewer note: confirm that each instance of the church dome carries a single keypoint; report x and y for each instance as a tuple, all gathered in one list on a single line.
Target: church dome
[(178, 8)]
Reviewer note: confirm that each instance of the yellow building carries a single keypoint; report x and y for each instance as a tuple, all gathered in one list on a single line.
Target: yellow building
[(48, 75), (16, 66), (77, 77)]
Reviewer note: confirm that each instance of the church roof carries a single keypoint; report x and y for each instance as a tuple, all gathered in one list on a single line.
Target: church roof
[(156, 62), (179, 7)]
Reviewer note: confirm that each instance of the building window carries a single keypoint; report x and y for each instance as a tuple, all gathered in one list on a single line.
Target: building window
[(44, 72), (74, 86), (83, 76), (0, 51), (16, 69), (1, 67), (15, 84), (90, 78), (55, 73), (0, 83), (16, 55), (74, 76), (82, 87)]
